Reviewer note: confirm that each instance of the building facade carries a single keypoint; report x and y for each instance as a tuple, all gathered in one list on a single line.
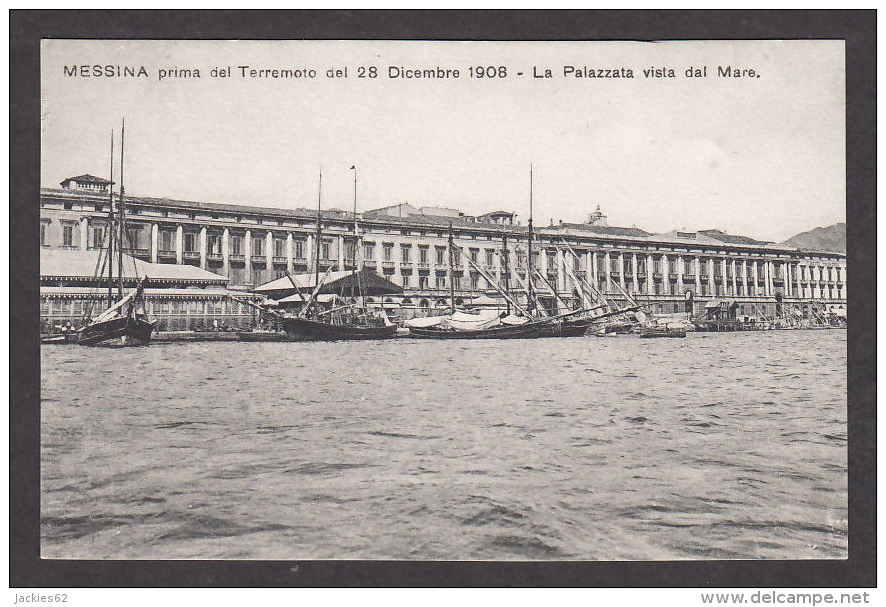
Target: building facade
[(672, 272)]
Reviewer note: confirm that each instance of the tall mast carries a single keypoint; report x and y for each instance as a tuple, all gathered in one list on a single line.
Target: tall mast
[(354, 168), (357, 243), (451, 273), (317, 248), (121, 217), (530, 305), (111, 229), (504, 259)]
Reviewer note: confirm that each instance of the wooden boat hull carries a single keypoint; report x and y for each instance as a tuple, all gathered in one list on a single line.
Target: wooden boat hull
[(303, 329), (527, 331), (577, 327), (650, 333), (121, 330), (261, 336)]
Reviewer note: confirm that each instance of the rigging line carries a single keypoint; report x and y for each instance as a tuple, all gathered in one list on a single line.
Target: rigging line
[(87, 313), (531, 294)]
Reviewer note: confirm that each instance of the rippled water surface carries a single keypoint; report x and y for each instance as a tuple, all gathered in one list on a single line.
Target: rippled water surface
[(714, 446)]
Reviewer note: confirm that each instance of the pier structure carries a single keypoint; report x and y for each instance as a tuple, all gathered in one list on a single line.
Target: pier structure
[(248, 246)]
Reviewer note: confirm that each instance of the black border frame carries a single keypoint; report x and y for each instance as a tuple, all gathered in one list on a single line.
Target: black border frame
[(27, 27)]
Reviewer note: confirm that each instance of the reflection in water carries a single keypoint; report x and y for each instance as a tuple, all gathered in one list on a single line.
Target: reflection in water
[(720, 446)]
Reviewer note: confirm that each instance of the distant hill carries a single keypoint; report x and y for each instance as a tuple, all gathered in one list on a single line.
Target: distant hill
[(831, 238)]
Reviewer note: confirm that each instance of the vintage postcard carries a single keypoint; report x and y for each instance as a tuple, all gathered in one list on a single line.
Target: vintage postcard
[(463, 301)]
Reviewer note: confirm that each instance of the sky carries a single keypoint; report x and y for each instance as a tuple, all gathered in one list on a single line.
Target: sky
[(760, 156)]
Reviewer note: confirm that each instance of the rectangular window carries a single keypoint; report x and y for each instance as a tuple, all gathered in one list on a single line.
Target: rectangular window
[(133, 238), (68, 235), (258, 245), (475, 282), (166, 241), (60, 307), (441, 282), (613, 263), (404, 253), (456, 282), (190, 242), (98, 237), (350, 250), (324, 249), (628, 264), (672, 265), (279, 247), (423, 255), (236, 246), (474, 254), (441, 256), (388, 252), (656, 266), (490, 257), (456, 258), (406, 281), (300, 249), (369, 250), (43, 233)]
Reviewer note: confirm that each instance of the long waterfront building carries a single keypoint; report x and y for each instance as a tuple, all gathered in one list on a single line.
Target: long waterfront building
[(672, 272)]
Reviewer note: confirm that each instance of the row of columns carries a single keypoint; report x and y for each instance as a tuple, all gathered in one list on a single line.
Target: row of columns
[(792, 272), (683, 266), (246, 249)]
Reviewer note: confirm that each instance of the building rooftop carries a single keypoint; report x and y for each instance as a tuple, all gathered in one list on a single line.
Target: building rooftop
[(439, 218), (732, 238), (86, 178), (602, 229)]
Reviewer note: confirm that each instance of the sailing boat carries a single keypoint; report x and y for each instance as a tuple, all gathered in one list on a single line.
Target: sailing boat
[(341, 322), (578, 323), (124, 322), (461, 325)]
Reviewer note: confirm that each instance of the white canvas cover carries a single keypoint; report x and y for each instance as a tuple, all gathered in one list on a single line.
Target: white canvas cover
[(462, 321), (514, 320), (428, 321)]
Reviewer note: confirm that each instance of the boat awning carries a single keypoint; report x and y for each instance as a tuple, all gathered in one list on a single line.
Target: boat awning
[(348, 283)]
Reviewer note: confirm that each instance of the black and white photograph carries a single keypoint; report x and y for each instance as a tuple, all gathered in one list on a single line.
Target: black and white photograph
[(443, 300)]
